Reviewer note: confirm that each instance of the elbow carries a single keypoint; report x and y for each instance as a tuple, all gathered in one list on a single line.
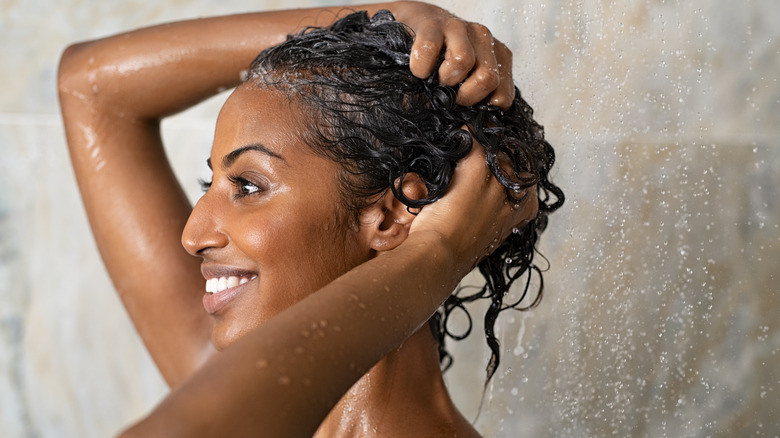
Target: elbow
[(78, 101), (76, 74), (143, 429), (69, 72), (129, 433)]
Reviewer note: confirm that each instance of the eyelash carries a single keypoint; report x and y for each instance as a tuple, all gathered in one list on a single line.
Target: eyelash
[(204, 185), (239, 184)]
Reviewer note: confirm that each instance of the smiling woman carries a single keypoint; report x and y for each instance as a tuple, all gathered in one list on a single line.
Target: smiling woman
[(270, 216), (325, 239)]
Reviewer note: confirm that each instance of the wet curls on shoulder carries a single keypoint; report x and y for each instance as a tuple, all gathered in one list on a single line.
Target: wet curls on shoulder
[(380, 122)]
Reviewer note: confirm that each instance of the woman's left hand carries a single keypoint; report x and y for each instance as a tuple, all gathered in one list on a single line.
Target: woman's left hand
[(475, 215)]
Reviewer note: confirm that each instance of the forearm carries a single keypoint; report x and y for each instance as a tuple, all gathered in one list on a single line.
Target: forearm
[(309, 355), (113, 93), (156, 71), (282, 378)]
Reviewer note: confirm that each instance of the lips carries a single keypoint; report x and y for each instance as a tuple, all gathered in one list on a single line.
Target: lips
[(223, 287)]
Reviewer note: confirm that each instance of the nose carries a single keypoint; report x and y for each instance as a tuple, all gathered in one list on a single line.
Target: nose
[(203, 230)]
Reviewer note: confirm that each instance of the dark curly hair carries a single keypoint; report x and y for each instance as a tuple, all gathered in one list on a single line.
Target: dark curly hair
[(380, 122)]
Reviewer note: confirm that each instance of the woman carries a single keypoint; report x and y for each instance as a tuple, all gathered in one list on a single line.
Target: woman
[(313, 273)]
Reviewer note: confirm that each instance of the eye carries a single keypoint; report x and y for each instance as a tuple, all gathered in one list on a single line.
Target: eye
[(244, 187)]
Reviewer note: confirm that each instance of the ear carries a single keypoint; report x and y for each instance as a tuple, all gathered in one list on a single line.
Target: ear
[(385, 224)]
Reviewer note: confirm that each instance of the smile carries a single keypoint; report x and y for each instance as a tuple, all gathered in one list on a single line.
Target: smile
[(219, 284)]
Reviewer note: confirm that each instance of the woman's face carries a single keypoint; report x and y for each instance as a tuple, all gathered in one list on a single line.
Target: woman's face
[(271, 228)]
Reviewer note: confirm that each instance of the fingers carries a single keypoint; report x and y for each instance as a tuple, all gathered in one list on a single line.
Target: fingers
[(475, 216), (489, 208), (427, 45), (504, 93), (523, 212), (472, 56), (460, 54), (483, 77)]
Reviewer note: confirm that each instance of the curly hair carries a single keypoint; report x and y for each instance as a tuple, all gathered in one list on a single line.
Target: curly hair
[(380, 123)]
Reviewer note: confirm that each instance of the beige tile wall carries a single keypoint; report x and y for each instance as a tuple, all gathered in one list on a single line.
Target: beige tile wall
[(660, 310)]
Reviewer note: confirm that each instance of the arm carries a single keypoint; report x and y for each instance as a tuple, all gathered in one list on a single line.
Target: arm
[(113, 94), (284, 377)]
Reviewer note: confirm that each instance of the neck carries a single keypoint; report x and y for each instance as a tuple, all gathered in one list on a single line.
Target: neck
[(400, 396)]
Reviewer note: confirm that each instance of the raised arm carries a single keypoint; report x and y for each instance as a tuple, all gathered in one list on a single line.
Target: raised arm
[(115, 91), (283, 378)]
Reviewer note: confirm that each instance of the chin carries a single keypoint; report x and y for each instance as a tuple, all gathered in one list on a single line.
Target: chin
[(223, 336)]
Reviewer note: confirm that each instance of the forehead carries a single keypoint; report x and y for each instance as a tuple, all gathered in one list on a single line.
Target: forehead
[(253, 115)]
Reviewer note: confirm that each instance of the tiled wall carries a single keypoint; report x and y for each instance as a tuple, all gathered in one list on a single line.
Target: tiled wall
[(660, 311)]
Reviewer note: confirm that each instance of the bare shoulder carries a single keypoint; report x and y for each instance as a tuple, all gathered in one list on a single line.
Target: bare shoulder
[(462, 428), (457, 427)]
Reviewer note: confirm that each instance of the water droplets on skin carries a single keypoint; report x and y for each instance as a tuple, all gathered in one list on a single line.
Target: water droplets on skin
[(92, 146)]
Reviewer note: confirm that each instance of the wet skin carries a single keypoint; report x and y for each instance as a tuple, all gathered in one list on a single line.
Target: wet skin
[(137, 211), (272, 215)]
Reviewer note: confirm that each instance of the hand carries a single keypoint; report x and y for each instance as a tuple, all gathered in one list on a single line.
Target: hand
[(472, 56), (475, 216)]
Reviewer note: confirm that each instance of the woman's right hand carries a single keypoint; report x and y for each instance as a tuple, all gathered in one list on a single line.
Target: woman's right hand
[(472, 56)]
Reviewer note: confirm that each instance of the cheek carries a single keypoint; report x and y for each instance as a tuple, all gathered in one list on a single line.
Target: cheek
[(298, 251), (272, 239), (296, 254)]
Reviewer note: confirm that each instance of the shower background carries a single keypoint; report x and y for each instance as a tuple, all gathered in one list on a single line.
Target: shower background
[(661, 310)]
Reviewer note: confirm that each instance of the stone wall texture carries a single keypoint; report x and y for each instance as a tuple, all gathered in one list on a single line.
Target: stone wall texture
[(660, 310)]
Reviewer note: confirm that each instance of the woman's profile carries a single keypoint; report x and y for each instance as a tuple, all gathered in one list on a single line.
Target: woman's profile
[(357, 177)]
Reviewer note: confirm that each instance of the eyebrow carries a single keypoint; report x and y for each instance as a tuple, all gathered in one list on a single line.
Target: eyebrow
[(230, 158)]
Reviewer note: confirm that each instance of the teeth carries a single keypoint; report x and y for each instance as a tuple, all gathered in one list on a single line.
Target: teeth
[(215, 285)]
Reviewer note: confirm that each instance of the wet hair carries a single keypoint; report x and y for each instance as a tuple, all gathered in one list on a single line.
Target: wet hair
[(380, 122)]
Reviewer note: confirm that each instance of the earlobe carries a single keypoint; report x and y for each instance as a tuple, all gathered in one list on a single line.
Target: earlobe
[(389, 220)]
